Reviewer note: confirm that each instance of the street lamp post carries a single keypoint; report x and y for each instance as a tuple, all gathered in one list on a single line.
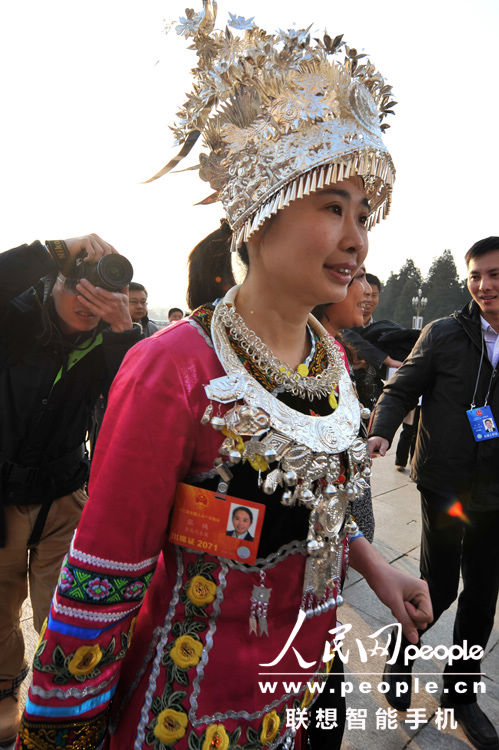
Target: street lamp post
[(418, 304)]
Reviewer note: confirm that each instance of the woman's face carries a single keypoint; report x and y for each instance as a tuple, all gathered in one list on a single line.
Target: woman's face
[(311, 250), (241, 521), (349, 312)]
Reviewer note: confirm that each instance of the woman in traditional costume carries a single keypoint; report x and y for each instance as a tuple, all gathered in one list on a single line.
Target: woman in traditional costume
[(162, 624), (335, 317)]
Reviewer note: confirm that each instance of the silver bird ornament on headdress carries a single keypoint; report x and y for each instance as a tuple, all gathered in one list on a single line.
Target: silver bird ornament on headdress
[(281, 116)]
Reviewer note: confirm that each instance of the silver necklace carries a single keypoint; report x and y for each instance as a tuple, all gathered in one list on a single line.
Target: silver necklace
[(333, 433), (303, 451), (280, 373)]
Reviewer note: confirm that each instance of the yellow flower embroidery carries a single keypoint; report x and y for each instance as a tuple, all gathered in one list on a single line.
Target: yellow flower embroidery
[(186, 652), (201, 591), (85, 659), (170, 726), (42, 633), (270, 726), (216, 738)]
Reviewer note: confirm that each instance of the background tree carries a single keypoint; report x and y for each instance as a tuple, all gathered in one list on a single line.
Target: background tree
[(443, 289), (397, 293)]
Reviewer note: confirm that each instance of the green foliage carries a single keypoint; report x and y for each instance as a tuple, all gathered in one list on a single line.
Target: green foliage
[(442, 288)]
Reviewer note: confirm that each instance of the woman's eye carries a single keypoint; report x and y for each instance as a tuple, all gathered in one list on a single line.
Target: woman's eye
[(363, 220), (335, 208)]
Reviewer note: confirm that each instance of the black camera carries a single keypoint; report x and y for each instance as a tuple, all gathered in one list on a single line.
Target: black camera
[(111, 272)]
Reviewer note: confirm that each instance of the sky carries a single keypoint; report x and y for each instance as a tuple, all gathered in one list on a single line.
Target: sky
[(88, 91)]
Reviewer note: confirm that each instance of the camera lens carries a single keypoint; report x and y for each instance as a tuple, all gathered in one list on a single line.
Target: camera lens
[(113, 272)]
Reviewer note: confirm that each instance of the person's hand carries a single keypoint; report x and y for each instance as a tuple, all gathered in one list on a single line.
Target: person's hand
[(378, 446), (407, 597), (389, 362), (110, 306), (94, 246)]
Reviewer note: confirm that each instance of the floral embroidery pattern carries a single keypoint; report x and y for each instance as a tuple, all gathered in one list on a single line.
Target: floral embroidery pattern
[(134, 590), (183, 653), (85, 663), (186, 652), (270, 726), (84, 660), (171, 726), (98, 588), (66, 579), (201, 591), (216, 737), (84, 585)]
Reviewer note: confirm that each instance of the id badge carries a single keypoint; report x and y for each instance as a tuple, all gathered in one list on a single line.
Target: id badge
[(482, 423), (220, 525)]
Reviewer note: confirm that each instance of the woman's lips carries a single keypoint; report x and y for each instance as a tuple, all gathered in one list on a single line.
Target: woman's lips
[(343, 274)]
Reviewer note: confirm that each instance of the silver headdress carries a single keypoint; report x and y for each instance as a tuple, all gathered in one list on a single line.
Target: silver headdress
[(282, 115)]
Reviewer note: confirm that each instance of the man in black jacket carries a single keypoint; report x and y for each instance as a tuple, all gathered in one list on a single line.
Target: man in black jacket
[(454, 367), (60, 347), (137, 300)]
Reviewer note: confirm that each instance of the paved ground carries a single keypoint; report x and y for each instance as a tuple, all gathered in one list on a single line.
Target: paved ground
[(396, 507), (397, 537)]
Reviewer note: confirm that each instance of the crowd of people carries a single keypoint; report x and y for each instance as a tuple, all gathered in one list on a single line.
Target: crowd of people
[(229, 486)]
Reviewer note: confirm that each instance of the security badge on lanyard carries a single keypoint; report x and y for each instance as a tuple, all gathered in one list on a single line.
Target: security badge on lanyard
[(481, 419), (482, 423)]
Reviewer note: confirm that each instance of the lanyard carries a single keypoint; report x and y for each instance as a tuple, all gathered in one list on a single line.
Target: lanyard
[(473, 405)]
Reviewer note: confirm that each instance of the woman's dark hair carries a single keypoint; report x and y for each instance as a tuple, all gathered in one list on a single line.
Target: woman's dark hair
[(210, 269), (320, 312), (246, 510)]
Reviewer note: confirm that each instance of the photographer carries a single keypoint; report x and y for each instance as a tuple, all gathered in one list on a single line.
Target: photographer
[(62, 340)]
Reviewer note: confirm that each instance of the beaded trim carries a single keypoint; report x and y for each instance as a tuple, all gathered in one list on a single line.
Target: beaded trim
[(109, 564), (114, 722), (196, 689), (156, 668), (92, 616), (71, 692)]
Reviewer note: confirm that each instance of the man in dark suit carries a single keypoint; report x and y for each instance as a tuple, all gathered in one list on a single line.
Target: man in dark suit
[(454, 366)]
